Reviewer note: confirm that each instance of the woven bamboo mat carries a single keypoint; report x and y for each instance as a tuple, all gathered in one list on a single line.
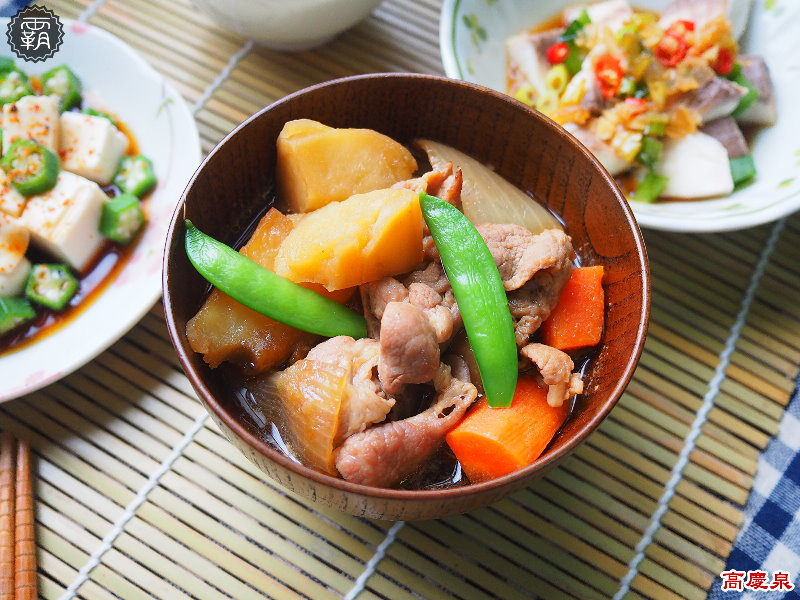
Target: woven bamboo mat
[(139, 496)]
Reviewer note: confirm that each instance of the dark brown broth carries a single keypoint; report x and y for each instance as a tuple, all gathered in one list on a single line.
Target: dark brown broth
[(101, 272)]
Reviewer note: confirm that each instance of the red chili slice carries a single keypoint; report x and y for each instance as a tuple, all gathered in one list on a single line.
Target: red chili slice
[(608, 72), (671, 50), (724, 63), (557, 53), (680, 28)]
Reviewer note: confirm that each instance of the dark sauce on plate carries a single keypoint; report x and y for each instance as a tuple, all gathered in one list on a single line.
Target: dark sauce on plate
[(441, 471), (101, 271)]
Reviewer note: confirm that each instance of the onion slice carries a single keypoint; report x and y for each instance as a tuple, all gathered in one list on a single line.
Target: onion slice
[(486, 197)]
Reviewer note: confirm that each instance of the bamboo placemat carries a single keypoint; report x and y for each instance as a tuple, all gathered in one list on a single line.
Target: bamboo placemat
[(139, 496)]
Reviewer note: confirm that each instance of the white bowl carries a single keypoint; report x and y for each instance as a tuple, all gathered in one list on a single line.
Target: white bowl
[(479, 56), (287, 24), (164, 128)]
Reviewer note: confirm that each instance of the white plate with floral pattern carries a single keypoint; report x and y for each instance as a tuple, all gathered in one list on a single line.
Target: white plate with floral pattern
[(114, 77), (472, 34)]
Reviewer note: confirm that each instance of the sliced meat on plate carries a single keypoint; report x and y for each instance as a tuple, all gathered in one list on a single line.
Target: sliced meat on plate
[(726, 131), (764, 111), (527, 53), (716, 99)]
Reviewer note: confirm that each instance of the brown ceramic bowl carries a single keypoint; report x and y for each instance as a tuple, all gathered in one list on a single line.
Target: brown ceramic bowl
[(229, 190)]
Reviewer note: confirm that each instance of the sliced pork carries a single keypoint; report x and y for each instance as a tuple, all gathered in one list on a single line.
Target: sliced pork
[(443, 181), (716, 99), (555, 367), (519, 254), (764, 111), (409, 352), (726, 131), (527, 54), (384, 455), (364, 401)]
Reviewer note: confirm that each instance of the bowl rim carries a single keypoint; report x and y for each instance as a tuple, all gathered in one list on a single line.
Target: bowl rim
[(318, 477)]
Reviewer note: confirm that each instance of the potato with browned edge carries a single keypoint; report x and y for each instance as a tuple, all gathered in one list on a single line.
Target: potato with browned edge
[(361, 239), (318, 164)]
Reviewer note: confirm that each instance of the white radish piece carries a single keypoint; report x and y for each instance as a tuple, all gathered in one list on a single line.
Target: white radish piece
[(697, 166)]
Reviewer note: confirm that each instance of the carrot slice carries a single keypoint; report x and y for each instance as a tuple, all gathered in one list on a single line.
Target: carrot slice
[(577, 320), (492, 442)]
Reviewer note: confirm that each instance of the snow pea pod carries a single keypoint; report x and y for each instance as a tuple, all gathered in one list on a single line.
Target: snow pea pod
[(265, 292), (480, 296)]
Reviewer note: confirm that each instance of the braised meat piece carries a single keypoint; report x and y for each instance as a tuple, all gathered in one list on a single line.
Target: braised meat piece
[(726, 131), (386, 454), (364, 402), (443, 181), (519, 254), (764, 110), (531, 304), (555, 367), (409, 352), (716, 99)]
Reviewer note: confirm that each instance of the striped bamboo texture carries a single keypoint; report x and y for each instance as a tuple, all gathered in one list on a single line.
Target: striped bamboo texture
[(139, 496)]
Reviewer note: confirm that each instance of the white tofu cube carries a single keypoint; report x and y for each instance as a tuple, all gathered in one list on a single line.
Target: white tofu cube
[(64, 221), (12, 283), (33, 118), (11, 201), (14, 266), (91, 146)]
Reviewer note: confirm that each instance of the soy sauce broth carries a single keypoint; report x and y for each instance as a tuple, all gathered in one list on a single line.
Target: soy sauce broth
[(92, 282)]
